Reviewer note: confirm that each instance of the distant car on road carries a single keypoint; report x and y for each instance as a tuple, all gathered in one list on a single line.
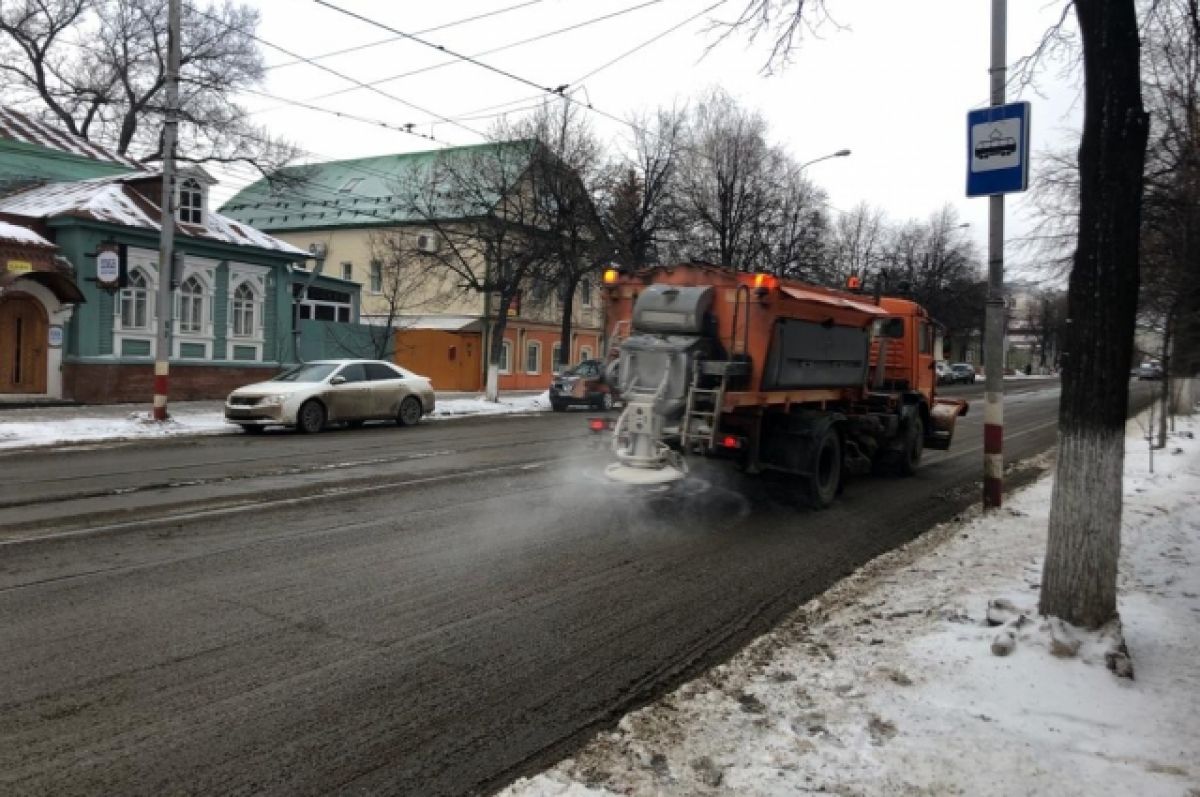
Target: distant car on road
[(942, 370), (962, 372), (582, 385), (314, 395), (1149, 371)]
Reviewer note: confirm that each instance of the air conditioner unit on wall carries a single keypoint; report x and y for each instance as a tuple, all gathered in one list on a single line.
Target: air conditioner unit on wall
[(428, 242)]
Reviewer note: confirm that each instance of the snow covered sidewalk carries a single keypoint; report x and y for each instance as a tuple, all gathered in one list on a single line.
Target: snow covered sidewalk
[(886, 685), (49, 426)]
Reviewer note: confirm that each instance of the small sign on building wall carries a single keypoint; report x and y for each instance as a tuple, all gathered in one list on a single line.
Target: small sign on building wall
[(108, 268), (55, 336), (18, 266)]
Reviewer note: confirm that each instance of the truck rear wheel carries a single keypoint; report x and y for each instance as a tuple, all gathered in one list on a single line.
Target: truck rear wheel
[(826, 475)]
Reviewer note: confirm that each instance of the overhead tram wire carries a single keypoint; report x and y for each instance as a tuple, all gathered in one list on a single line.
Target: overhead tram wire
[(494, 50), (443, 26), (340, 75), (560, 91)]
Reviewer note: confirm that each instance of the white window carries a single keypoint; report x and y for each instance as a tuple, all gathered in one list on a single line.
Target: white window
[(506, 357), (585, 292), (191, 306), (533, 357), (243, 311), (191, 202), (347, 271), (556, 362), (133, 301), (585, 353), (376, 276)]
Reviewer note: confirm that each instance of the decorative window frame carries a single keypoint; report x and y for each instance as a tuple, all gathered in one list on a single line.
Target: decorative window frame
[(200, 187), (530, 346), (145, 261), (256, 278), (205, 272), (506, 357), (556, 363)]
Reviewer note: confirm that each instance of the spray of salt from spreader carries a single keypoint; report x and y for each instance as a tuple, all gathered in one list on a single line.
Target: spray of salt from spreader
[(669, 335)]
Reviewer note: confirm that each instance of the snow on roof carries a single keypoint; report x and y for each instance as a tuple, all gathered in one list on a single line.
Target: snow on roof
[(17, 126), (22, 235), (110, 199)]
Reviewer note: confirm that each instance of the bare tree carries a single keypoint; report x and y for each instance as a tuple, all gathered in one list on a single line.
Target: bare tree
[(1079, 579), (492, 227), (725, 182), (858, 243), (98, 68), (566, 170), (639, 198)]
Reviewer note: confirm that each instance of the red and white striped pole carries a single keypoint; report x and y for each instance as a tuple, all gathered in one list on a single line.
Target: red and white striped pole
[(166, 246), (995, 322)]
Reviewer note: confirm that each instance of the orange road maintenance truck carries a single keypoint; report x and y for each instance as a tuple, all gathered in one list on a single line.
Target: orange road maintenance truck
[(774, 374)]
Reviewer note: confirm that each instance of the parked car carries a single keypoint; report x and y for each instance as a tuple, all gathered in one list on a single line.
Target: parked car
[(962, 372), (314, 395), (945, 376), (585, 384), (1149, 371)]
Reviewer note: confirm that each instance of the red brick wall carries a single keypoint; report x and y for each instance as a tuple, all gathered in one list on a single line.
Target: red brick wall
[(521, 334), (90, 383)]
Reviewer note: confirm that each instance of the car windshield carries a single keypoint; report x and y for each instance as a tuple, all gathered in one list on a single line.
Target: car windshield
[(314, 372), (586, 368)]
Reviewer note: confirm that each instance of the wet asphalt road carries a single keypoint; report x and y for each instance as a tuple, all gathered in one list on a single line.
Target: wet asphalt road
[(393, 611)]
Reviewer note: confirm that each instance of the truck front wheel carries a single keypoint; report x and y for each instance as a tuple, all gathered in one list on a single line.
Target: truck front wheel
[(826, 474)]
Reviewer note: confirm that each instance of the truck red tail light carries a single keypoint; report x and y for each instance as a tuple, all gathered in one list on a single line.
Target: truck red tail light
[(732, 442), (600, 424)]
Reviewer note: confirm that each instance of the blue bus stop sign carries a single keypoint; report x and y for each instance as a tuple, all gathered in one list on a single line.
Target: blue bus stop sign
[(998, 150)]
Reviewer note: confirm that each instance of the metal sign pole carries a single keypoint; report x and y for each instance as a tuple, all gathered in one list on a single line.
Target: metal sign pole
[(994, 323), (166, 247)]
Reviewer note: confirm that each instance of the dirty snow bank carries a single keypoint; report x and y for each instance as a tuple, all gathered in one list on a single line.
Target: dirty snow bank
[(886, 684), (95, 424)]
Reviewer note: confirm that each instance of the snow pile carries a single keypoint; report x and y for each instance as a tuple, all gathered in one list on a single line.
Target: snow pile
[(887, 685), (93, 424), (479, 406), (134, 426), (21, 235)]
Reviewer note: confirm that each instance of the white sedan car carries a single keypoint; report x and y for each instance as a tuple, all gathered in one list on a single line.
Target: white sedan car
[(313, 395)]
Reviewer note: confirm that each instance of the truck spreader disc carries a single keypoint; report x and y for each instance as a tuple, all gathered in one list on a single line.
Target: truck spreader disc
[(626, 474)]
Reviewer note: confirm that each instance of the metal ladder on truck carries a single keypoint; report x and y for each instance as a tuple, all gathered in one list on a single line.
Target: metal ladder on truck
[(702, 413)]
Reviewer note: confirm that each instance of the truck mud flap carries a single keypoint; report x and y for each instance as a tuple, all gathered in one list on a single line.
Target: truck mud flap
[(942, 417)]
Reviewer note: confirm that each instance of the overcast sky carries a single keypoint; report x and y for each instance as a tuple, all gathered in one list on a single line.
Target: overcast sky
[(892, 82)]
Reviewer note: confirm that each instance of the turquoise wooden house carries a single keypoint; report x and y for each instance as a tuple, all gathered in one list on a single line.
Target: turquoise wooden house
[(237, 296)]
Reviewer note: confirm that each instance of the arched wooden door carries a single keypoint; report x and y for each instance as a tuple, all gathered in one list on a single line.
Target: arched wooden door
[(23, 342)]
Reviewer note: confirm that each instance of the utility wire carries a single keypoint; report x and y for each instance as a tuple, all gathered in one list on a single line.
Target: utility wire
[(444, 26), (336, 73), (502, 48)]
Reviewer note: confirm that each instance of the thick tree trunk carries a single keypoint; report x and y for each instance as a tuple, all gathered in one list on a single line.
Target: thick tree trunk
[(499, 322), (1079, 580), (568, 309)]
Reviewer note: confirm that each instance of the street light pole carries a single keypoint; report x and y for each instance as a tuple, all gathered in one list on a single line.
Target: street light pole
[(841, 153), (994, 321)]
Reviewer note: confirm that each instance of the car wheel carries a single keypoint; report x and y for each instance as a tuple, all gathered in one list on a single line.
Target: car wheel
[(311, 417), (251, 428), (558, 406), (605, 402), (410, 411)]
